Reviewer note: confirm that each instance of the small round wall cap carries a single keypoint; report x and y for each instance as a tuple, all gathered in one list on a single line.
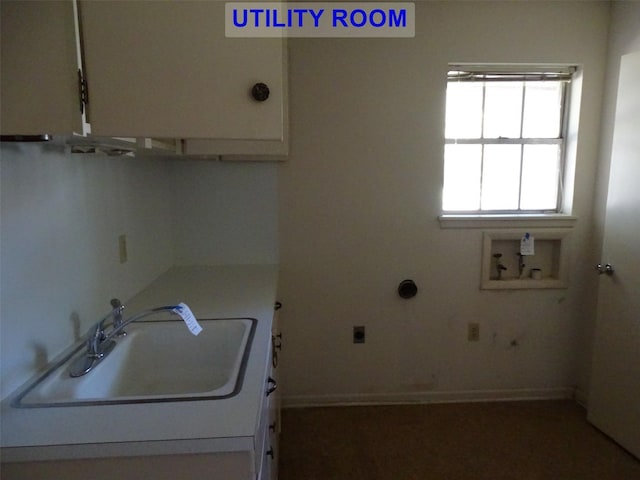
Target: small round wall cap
[(407, 289)]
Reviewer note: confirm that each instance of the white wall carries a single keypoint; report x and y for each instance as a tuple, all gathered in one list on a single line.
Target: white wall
[(359, 199), (224, 213), (61, 217)]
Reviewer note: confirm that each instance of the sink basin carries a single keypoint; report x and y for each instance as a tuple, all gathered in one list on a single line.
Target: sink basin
[(157, 361)]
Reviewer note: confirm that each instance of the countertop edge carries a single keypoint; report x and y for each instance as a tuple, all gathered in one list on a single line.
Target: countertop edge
[(126, 449)]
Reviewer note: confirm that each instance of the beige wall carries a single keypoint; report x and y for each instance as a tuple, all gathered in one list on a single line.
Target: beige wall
[(359, 199)]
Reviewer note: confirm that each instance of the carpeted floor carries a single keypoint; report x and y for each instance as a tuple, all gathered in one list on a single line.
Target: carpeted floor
[(542, 440)]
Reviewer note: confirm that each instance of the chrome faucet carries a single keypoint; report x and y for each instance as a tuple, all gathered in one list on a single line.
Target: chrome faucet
[(101, 343), (117, 315), (95, 345), (499, 266)]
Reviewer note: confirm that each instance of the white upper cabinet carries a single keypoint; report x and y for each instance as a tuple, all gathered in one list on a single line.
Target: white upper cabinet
[(39, 84), (150, 69), (165, 69)]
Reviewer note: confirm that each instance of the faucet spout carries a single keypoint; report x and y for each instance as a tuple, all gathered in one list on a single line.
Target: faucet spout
[(100, 343), (117, 330)]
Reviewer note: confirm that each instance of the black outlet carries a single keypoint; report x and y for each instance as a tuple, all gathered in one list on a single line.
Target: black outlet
[(358, 334)]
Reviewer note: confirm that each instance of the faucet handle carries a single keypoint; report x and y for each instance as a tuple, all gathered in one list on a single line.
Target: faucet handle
[(115, 303), (117, 315)]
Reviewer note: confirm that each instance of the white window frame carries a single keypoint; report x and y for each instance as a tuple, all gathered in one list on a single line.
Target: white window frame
[(488, 73)]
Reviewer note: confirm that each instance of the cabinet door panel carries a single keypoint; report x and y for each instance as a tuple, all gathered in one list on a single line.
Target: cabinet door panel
[(39, 81), (165, 69)]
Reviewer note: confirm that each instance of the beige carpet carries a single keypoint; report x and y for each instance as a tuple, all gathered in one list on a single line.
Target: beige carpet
[(512, 440)]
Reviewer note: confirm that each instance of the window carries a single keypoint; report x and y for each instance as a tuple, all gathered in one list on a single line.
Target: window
[(504, 135)]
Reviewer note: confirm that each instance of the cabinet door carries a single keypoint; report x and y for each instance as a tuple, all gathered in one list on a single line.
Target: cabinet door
[(39, 81), (276, 352), (165, 69), (274, 404), (269, 449)]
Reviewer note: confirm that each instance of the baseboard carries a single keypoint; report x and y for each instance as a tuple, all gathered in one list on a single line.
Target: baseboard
[(299, 401), (581, 397)]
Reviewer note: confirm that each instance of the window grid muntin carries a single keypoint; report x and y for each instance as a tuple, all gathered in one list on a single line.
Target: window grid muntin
[(563, 123), (522, 104)]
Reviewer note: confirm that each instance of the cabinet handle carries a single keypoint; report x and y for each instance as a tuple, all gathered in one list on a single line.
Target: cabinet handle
[(274, 353), (270, 453), (274, 345), (272, 427), (275, 348), (273, 385), (277, 306), (260, 92)]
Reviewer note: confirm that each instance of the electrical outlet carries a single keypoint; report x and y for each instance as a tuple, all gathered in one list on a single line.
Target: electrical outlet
[(122, 247), (473, 332), (358, 334)]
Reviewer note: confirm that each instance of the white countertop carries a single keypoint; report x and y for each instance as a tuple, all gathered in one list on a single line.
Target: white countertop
[(66, 432)]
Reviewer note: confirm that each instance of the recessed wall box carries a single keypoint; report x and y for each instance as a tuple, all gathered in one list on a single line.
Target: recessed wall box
[(550, 261)]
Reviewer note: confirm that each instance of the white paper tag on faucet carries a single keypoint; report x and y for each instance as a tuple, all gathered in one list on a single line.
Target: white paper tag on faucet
[(189, 318)]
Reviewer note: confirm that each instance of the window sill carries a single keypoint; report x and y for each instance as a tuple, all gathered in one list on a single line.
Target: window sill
[(507, 221)]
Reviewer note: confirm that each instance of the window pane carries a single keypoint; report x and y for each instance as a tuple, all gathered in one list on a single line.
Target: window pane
[(542, 108), (502, 109), (500, 177), (464, 110), (540, 172), (461, 177)]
